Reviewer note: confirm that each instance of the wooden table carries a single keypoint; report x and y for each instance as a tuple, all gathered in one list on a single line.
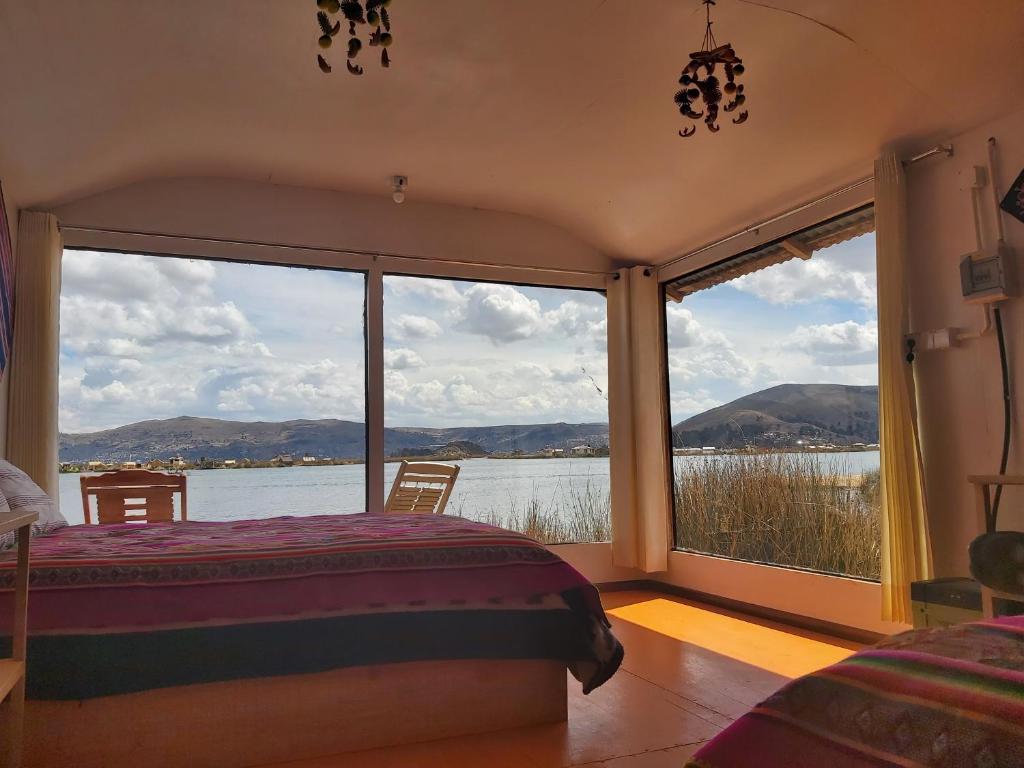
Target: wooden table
[(12, 670)]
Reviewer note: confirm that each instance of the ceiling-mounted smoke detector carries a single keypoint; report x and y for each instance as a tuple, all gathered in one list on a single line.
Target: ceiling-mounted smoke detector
[(398, 186)]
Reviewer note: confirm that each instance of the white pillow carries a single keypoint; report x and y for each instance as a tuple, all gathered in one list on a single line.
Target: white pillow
[(22, 494)]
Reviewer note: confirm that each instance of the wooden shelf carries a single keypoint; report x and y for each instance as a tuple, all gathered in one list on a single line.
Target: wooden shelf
[(12, 521), (11, 672), (996, 479)]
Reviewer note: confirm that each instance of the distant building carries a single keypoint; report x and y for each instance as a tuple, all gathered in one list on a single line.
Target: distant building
[(230, 463), (309, 459), (131, 465), (583, 450), (176, 462), (686, 451), (708, 449)]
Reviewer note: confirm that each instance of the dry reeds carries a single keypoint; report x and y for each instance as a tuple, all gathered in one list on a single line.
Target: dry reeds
[(781, 509), (789, 510), (579, 512)]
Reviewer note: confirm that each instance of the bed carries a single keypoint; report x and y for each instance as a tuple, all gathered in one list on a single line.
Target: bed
[(235, 643), (937, 697)]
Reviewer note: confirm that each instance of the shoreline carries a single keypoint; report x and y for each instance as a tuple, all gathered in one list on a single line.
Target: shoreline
[(71, 468)]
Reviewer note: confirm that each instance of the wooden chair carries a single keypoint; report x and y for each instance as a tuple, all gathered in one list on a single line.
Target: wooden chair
[(422, 487), (133, 495)]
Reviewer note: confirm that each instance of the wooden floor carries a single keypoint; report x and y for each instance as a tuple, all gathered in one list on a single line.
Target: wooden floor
[(689, 671)]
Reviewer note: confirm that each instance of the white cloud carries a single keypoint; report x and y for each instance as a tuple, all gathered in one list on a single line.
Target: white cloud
[(403, 359), (697, 353), (412, 327), (844, 272), (686, 403), (681, 328), (846, 343), (424, 287), (502, 313), (574, 319), (173, 337)]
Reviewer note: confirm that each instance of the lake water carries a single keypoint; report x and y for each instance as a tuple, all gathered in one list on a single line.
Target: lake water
[(484, 486)]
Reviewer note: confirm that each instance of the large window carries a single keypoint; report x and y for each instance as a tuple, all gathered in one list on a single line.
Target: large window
[(511, 383), (772, 361), (250, 379)]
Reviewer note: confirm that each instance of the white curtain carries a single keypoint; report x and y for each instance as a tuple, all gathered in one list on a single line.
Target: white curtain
[(906, 547), (32, 398), (638, 416)]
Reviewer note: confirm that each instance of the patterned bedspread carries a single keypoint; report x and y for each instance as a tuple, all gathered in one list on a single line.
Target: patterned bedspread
[(938, 697), (129, 607)]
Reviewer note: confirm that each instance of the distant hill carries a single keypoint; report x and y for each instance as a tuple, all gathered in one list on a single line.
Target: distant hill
[(780, 416), (195, 438)]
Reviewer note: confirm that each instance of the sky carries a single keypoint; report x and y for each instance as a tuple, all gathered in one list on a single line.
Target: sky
[(806, 322), (146, 337)]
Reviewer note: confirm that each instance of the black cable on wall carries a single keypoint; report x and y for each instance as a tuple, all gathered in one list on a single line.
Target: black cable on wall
[(1004, 365)]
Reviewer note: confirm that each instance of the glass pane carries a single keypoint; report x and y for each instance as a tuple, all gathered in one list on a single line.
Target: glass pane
[(773, 381), (249, 378), (510, 382)]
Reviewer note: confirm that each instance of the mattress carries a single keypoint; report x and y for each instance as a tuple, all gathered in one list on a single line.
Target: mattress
[(937, 697), (122, 608)]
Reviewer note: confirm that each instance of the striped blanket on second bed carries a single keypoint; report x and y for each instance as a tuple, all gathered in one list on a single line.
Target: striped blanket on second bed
[(938, 697)]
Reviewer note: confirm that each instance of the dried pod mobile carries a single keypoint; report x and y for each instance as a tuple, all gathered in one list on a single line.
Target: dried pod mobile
[(709, 89), (372, 13)]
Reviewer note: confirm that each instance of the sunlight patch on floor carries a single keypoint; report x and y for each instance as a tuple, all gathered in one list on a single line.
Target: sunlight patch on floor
[(770, 649)]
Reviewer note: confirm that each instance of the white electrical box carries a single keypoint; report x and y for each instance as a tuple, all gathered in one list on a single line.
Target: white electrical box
[(987, 279)]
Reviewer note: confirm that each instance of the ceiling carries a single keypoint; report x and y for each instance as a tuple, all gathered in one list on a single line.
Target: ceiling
[(562, 111)]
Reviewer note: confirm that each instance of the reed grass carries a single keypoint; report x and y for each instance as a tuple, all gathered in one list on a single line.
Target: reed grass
[(780, 509), (769, 508), (577, 512)]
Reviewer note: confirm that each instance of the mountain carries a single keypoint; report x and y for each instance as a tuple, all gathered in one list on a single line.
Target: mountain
[(195, 438), (780, 416)]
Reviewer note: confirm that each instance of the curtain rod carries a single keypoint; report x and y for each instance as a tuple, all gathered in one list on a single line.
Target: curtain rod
[(941, 149), (338, 251)]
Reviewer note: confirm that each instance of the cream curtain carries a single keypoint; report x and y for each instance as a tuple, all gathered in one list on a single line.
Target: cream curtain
[(640, 475), (906, 548), (32, 398)]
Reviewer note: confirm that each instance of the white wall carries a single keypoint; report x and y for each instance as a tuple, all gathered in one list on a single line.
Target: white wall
[(249, 211), (960, 392)]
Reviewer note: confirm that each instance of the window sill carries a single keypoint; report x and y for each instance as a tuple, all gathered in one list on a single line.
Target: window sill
[(842, 600)]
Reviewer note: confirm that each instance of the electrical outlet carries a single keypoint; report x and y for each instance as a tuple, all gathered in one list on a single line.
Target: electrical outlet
[(943, 338)]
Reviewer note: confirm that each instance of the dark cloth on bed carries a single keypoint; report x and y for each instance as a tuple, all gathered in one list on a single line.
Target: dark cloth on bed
[(997, 561), (123, 608)]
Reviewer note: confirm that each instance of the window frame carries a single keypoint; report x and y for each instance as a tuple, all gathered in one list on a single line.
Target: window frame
[(374, 267), (664, 282), (476, 281)]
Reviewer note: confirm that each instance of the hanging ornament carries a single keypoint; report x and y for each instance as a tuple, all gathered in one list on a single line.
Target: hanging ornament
[(371, 13), (702, 85)]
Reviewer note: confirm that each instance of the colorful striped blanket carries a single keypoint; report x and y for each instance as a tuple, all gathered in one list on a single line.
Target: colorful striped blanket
[(117, 608), (938, 697)]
